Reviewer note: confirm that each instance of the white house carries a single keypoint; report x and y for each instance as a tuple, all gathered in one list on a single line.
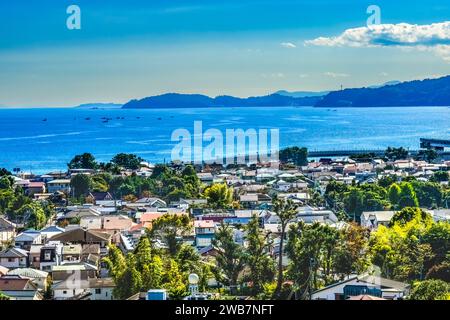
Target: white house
[(366, 284), (38, 277), (101, 288), (94, 288), (373, 219), (7, 231), (14, 258), (51, 231), (62, 185)]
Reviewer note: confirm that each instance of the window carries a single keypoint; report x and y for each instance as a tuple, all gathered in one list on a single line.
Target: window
[(10, 259), (64, 292), (47, 255), (98, 291)]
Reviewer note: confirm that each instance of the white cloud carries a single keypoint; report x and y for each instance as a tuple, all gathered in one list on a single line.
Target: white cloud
[(336, 75), (303, 75), (277, 75), (288, 45), (433, 37)]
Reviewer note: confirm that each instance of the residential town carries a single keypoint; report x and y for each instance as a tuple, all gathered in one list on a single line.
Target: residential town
[(362, 227)]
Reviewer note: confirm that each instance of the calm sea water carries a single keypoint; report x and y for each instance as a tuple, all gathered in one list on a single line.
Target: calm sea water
[(28, 142)]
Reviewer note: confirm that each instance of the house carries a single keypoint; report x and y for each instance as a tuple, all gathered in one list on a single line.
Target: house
[(62, 185), (365, 297), (27, 238), (91, 288), (116, 224), (100, 197), (91, 222), (205, 177), (73, 271), (311, 215), (82, 236), (440, 215), (18, 288), (69, 288), (101, 288), (152, 202), (252, 200), (14, 258), (3, 270), (35, 256), (79, 212), (363, 285), (192, 203), (38, 277), (33, 188), (71, 253), (50, 255), (50, 231), (373, 219), (7, 231), (204, 232)]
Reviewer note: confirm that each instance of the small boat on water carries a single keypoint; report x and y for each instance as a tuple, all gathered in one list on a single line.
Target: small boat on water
[(159, 118), (87, 119), (44, 119)]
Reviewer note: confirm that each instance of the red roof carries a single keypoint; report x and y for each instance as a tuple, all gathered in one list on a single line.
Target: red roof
[(7, 284)]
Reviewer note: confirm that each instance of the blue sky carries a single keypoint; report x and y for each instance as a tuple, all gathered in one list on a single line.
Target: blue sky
[(131, 49)]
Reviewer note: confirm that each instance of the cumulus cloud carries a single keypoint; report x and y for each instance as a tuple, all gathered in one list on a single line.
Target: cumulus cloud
[(288, 45), (277, 75), (433, 37), (336, 75)]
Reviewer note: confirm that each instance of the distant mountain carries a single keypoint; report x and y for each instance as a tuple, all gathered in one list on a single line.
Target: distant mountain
[(429, 92), (389, 83), (99, 106), (302, 94), (177, 100)]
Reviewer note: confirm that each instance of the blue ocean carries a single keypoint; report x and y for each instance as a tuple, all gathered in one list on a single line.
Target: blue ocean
[(42, 140)]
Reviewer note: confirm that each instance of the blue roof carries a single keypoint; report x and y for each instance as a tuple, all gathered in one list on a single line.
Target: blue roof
[(53, 229)]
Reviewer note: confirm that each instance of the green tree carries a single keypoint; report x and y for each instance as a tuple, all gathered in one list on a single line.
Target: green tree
[(396, 153), (408, 197), (440, 272), (438, 237), (285, 210), (84, 161), (351, 255), (406, 215), (143, 253), (219, 195), (430, 290), (129, 281), (440, 176), (428, 194), (127, 161), (3, 297), (5, 183), (394, 193), (261, 265), (152, 273), (33, 215), (174, 281), (170, 228), (81, 185), (428, 155), (115, 262), (294, 155), (230, 258)]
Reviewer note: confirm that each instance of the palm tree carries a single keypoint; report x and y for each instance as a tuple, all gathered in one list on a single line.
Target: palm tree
[(286, 210)]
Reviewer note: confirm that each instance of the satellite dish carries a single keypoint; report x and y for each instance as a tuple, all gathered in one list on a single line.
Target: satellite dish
[(193, 279)]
